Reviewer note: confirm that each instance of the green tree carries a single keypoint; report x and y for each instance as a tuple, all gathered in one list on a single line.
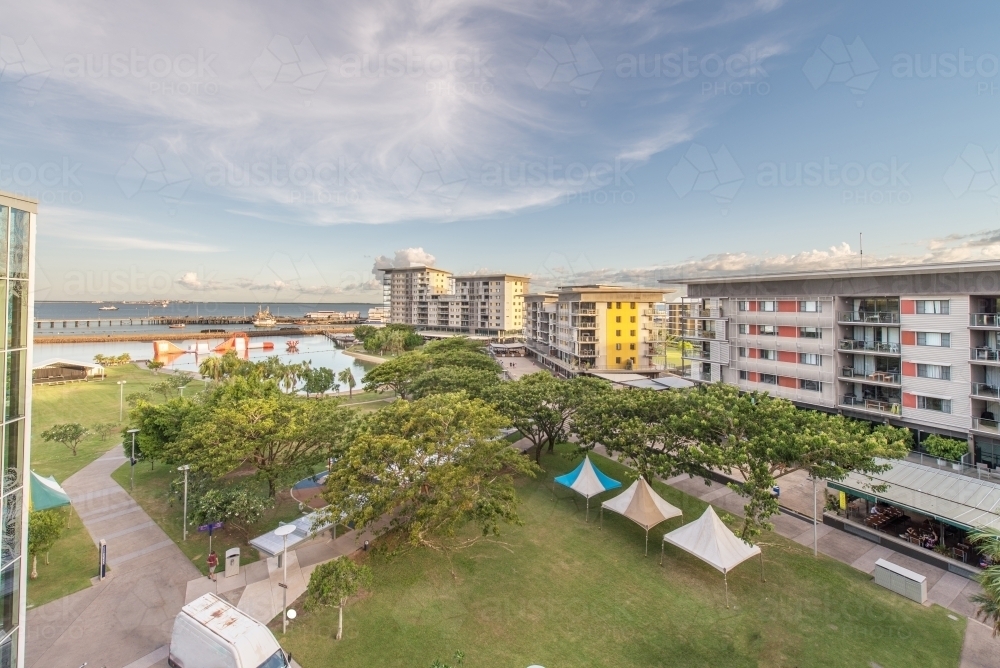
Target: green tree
[(476, 383), (431, 465), (643, 428), (163, 387), (526, 404), (988, 602), (333, 583), (363, 332), (397, 374), (69, 435), (105, 429), (160, 427), (44, 529), (154, 366), (240, 507), (318, 381), (347, 378), (134, 398), (945, 448)]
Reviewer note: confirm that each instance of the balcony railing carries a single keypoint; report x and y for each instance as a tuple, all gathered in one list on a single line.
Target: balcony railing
[(982, 424), (701, 334), (703, 313), (984, 390), (697, 354), (984, 320), (697, 374), (887, 377), (584, 311), (875, 405), (587, 339), (985, 355), (873, 346), (876, 317)]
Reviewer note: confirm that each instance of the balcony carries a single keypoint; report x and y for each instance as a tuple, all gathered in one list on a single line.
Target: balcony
[(584, 311), (869, 346), (700, 334), (868, 317), (982, 424), (873, 405), (703, 313), (984, 355), (991, 320), (697, 354), (696, 374), (985, 391), (882, 377)]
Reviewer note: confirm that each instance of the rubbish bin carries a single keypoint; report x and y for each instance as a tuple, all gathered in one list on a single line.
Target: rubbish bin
[(232, 562)]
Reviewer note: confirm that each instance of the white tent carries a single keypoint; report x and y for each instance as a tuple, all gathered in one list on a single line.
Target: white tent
[(642, 505), (711, 541), (586, 480)]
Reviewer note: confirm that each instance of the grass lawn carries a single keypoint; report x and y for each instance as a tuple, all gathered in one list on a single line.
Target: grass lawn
[(560, 592), (72, 562), (87, 403), (152, 493)]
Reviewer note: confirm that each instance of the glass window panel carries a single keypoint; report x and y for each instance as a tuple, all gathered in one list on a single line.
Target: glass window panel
[(4, 212), (13, 455), (17, 314), (10, 595), (10, 528), (15, 383), (18, 265), (8, 651)]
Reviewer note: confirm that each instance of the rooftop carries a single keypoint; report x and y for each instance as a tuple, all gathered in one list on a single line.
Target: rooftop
[(891, 270)]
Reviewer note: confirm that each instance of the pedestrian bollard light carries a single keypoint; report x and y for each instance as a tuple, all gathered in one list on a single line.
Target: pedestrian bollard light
[(121, 399), (185, 468), (283, 531), (291, 614), (131, 474)]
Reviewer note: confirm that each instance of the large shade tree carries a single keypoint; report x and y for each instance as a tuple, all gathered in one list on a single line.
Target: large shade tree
[(431, 466)]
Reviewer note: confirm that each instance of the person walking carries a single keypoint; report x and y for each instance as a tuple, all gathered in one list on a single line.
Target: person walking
[(213, 563)]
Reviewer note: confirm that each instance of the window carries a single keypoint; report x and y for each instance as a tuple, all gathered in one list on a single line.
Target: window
[(631, 318), (810, 358), (809, 307), (742, 352), (631, 332), (767, 306), (618, 318), (769, 378), (767, 330), (743, 374), (934, 404), (631, 305), (936, 306), (811, 385), (939, 339), (743, 306), (618, 332), (768, 354), (631, 346), (609, 304), (618, 346), (743, 329), (618, 304), (934, 371), (618, 360), (810, 332)]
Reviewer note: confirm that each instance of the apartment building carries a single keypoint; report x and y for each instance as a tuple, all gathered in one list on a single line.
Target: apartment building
[(914, 346), (594, 328), (435, 301), (17, 227)]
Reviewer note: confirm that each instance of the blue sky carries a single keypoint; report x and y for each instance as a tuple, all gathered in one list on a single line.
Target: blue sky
[(230, 150)]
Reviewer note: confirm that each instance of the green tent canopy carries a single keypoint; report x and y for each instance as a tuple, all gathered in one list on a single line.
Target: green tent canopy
[(46, 493)]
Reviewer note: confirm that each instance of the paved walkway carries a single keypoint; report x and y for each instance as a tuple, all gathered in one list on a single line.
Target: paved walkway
[(522, 366), (125, 621), (951, 591)]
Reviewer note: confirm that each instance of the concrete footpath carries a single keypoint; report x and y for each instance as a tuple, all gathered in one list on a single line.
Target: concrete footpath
[(124, 621)]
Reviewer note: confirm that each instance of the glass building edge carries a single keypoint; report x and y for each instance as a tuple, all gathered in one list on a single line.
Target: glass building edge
[(15, 638)]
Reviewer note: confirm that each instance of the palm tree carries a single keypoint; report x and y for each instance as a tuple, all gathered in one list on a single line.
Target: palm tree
[(988, 542), (347, 378), (211, 368)]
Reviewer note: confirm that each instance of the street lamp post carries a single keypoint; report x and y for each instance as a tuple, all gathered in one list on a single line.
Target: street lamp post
[(131, 474), (185, 468), (283, 531), (121, 399)]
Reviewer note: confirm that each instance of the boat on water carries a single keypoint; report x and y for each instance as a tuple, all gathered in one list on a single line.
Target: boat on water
[(109, 307), (263, 318), (177, 325)]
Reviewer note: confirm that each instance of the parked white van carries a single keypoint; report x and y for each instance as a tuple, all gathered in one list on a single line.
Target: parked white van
[(209, 632)]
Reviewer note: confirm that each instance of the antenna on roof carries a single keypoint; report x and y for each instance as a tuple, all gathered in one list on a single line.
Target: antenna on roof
[(861, 247)]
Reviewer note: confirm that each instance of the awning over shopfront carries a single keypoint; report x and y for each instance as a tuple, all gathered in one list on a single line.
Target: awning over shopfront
[(961, 501)]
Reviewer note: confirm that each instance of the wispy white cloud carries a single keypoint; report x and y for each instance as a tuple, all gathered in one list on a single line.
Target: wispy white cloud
[(103, 231)]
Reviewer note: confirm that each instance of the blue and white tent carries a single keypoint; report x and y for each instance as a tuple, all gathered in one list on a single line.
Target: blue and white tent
[(587, 480)]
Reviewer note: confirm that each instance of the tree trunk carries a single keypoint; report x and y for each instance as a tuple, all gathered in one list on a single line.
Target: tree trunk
[(46, 558), (34, 566), (340, 623), (538, 452)]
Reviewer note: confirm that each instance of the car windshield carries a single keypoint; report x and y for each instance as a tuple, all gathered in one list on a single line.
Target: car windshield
[(276, 660)]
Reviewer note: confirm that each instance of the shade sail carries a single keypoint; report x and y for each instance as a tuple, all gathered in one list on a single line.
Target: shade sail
[(953, 498), (711, 541), (642, 505), (46, 493), (587, 480)]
